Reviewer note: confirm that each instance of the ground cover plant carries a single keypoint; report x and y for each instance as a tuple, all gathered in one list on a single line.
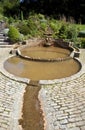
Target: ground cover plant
[(36, 25)]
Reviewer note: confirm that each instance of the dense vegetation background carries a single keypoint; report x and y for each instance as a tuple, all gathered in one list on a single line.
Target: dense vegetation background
[(56, 8), (64, 19)]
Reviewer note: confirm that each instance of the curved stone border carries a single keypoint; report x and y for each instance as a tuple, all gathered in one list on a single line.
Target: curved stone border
[(75, 52), (67, 78), (41, 82), (11, 76), (25, 80), (43, 60), (18, 52)]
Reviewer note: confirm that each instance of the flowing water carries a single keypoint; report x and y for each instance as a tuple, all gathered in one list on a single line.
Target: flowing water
[(32, 118)]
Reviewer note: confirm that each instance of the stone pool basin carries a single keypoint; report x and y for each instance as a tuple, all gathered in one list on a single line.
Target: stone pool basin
[(23, 66), (37, 63)]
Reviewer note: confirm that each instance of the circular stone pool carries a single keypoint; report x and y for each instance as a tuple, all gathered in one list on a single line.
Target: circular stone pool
[(42, 70), (44, 52)]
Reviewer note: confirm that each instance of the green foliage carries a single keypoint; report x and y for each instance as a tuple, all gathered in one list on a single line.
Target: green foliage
[(13, 34), (43, 26), (33, 26), (1, 16), (72, 33), (23, 28), (82, 42), (62, 31), (37, 25), (10, 20), (81, 34)]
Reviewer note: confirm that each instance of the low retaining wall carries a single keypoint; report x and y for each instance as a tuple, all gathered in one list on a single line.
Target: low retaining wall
[(42, 60), (61, 80), (74, 50)]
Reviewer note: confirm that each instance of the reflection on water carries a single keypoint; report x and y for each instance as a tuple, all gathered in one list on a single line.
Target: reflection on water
[(17, 67), (41, 70)]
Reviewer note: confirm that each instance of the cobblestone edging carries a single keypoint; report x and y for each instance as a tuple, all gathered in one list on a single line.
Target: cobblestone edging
[(67, 78), (63, 101), (11, 99), (12, 89), (11, 76), (63, 104)]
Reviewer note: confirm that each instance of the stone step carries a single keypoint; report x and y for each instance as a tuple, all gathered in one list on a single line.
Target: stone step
[(1, 34), (6, 46), (4, 43), (2, 37), (2, 40)]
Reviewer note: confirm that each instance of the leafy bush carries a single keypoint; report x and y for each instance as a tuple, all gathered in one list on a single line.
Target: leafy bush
[(82, 42), (62, 31), (81, 34), (13, 34), (55, 28), (23, 28), (10, 20), (72, 33), (43, 26)]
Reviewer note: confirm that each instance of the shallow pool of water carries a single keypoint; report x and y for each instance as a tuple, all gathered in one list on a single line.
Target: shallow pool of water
[(45, 52), (41, 70)]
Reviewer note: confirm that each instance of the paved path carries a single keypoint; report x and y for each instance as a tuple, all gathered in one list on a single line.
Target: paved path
[(11, 97), (63, 103)]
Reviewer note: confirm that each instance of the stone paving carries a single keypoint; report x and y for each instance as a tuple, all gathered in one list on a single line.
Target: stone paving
[(63, 103), (11, 97)]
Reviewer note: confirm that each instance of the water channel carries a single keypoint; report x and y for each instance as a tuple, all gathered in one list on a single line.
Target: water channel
[(32, 118)]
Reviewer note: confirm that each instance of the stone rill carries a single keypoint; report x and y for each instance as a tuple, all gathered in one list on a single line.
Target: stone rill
[(39, 63)]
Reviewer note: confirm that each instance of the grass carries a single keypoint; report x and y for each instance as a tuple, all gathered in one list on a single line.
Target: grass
[(81, 27)]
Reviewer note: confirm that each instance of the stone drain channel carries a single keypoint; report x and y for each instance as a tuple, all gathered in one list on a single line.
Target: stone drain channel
[(63, 102)]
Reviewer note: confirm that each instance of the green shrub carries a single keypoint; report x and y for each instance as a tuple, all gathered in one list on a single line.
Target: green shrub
[(81, 34), (54, 26), (62, 31), (23, 29), (82, 42), (10, 20), (72, 33), (13, 34), (43, 26)]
